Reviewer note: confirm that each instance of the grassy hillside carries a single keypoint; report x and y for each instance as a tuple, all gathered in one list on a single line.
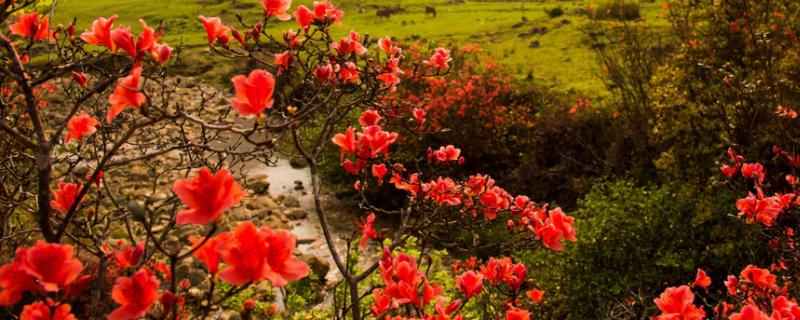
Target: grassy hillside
[(558, 56)]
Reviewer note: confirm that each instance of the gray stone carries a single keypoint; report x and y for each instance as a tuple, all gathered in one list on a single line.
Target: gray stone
[(298, 163), (291, 201), (296, 213), (260, 203), (259, 183)]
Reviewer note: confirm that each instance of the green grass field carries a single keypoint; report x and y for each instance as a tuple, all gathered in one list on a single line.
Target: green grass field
[(562, 59)]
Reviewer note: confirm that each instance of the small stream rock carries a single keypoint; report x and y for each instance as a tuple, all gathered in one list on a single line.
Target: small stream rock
[(296, 213)]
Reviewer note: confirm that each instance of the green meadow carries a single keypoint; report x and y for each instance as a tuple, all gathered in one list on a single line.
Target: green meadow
[(559, 57)]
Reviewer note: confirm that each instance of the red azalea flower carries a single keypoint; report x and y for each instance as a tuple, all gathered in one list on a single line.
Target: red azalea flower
[(349, 73), (702, 279), (65, 196), (283, 268), (46, 311), (126, 94), (30, 25), (535, 295), (515, 313), (207, 196), (369, 118), (350, 44), (379, 171), (80, 125), (277, 8), (147, 39), (676, 303), (244, 255), (123, 39), (101, 33), (14, 281), (761, 278), (470, 283), (440, 59), (304, 17), (749, 312), (129, 256), (52, 265), (134, 294), (367, 231), (253, 92), (346, 141), (325, 12), (208, 253), (215, 30)]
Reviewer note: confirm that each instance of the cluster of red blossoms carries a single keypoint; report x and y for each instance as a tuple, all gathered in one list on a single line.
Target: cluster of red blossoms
[(756, 207), (477, 195), (755, 288), (406, 285)]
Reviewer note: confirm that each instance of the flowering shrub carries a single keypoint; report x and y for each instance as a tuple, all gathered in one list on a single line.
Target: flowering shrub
[(156, 137)]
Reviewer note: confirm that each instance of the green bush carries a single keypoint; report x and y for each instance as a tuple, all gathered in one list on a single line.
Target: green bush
[(632, 242)]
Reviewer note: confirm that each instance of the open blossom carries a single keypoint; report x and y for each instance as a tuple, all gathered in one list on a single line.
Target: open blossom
[(349, 73), (370, 117), (215, 30), (750, 312), (784, 309), (760, 278), (253, 92), (556, 227), (123, 39), (367, 231), (350, 44), (702, 280), (447, 153), (515, 313), (419, 116), (128, 256), (52, 265), (283, 268), (323, 73), (251, 255), (135, 295), (277, 8), (470, 283), (388, 47), (207, 195), (764, 210), (64, 197), (40, 310), (32, 26), (440, 59), (753, 171), (677, 303), (326, 12), (535, 295), (379, 171), (304, 17), (14, 281), (346, 142), (208, 253), (126, 94), (100, 34), (80, 125)]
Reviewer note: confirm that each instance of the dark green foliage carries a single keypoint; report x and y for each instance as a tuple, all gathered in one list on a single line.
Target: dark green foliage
[(635, 241)]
